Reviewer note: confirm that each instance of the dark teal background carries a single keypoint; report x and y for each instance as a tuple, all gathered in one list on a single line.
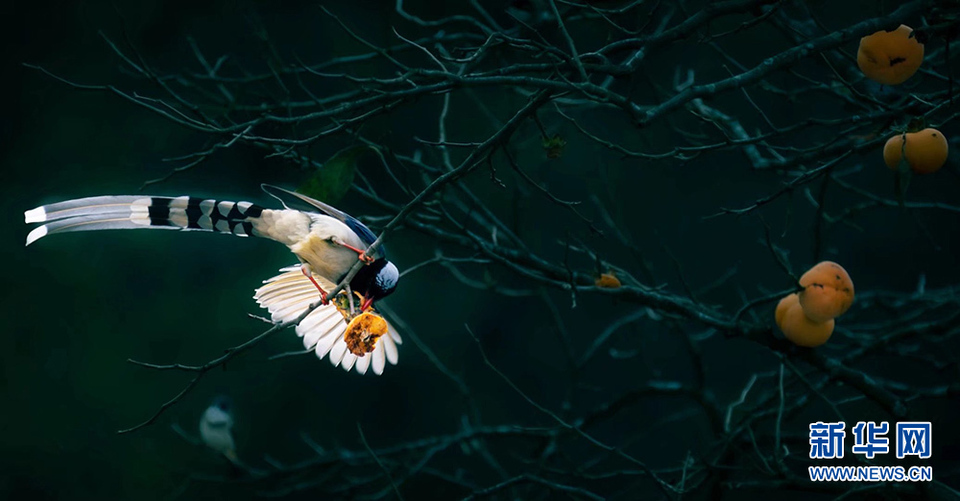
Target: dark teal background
[(77, 306)]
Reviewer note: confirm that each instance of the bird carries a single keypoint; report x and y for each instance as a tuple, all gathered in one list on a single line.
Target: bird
[(326, 241), (216, 428)]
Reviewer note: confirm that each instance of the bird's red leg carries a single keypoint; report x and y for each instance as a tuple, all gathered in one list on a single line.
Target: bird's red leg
[(361, 254), (323, 293)]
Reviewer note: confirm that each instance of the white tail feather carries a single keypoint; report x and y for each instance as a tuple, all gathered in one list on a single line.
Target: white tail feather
[(125, 212), (288, 295)]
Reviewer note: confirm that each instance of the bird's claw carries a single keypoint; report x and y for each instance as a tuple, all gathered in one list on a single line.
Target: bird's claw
[(361, 254), (323, 294)]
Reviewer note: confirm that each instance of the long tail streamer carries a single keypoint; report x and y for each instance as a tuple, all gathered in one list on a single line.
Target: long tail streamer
[(139, 212)]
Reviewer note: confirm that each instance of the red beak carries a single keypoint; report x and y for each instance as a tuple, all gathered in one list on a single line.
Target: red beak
[(367, 301)]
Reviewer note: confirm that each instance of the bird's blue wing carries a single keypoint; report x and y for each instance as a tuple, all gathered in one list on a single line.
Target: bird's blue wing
[(289, 198), (361, 230)]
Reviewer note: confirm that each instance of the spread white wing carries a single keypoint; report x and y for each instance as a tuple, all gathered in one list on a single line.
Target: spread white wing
[(288, 295)]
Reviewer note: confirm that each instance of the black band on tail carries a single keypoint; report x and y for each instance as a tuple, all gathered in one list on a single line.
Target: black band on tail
[(128, 212), (203, 214)]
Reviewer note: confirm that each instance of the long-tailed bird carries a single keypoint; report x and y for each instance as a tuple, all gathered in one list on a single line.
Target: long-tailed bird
[(327, 241)]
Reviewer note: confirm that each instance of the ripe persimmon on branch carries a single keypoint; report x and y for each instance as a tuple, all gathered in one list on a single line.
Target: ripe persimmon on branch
[(763, 92)]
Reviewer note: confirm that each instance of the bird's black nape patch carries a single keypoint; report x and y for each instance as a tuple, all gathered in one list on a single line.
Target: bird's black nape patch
[(368, 280), (366, 277)]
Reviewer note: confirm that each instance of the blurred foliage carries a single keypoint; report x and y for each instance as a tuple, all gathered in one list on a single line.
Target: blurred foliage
[(333, 180)]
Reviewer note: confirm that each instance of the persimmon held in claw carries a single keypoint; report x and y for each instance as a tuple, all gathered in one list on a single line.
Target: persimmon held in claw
[(890, 57), (827, 292), (926, 151), (797, 327), (363, 332)]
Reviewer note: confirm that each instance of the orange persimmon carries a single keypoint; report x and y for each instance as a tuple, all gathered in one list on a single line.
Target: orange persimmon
[(363, 332), (890, 57), (607, 281), (827, 292), (797, 327), (926, 151)]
